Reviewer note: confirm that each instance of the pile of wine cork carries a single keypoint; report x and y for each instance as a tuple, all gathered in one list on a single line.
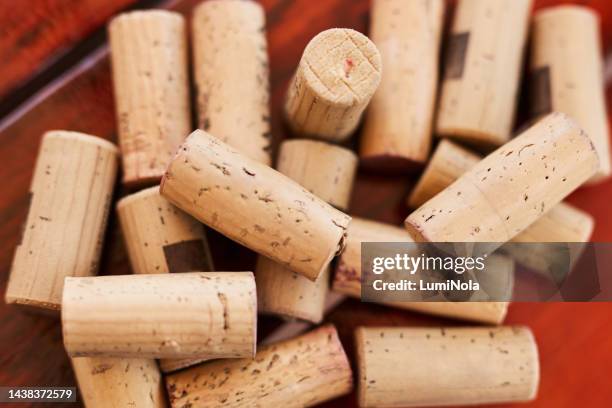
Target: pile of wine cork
[(129, 335)]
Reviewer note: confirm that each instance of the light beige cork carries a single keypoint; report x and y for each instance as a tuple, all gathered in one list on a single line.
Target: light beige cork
[(398, 123), (151, 88), (347, 277), (111, 382), (567, 72), (562, 223), (427, 367), (328, 172), (301, 372), (254, 205), (159, 237), (69, 201), (335, 80), (183, 315), (482, 69), (511, 188), (231, 75)]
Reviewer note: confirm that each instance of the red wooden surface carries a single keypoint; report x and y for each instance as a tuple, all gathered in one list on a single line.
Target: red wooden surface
[(34, 34), (574, 341)]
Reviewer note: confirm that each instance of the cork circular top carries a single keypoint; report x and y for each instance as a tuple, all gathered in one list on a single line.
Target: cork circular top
[(229, 5), (566, 10), (81, 137), (141, 195), (148, 14), (342, 66), (306, 144)]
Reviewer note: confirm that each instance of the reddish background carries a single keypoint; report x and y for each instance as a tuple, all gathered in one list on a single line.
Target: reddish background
[(54, 74)]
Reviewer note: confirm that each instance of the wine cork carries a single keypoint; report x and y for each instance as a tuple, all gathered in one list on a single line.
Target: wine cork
[(69, 200), (325, 170), (347, 278), (150, 81), (398, 124), (482, 71), (231, 75), (301, 372), (334, 82), (254, 205), (111, 382), (328, 172), (508, 190), (562, 223), (567, 72), (445, 366), (197, 315), (159, 237)]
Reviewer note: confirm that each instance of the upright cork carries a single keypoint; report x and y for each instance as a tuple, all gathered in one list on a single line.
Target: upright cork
[(508, 190), (111, 382), (196, 315), (69, 200), (254, 205), (334, 82), (445, 366), (159, 237), (347, 279), (300, 372), (567, 72), (399, 120), (482, 69), (150, 81), (562, 223), (231, 75), (328, 172)]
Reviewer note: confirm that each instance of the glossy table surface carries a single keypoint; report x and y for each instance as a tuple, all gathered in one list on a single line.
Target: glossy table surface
[(54, 74)]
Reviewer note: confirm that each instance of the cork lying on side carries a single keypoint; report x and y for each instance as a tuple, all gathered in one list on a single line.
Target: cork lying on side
[(231, 75), (567, 72), (151, 89), (562, 223), (347, 278), (328, 172), (337, 76), (254, 205), (159, 237), (300, 372), (69, 200), (482, 69), (196, 315), (398, 124), (112, 382), (423, 367), (511, 188)]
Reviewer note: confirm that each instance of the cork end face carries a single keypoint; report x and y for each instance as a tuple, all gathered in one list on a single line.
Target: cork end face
[(535, 379), (566, 11), (136, 16), (342, 66), (141, 195), (79, 137), (233, 6), (415, 230)]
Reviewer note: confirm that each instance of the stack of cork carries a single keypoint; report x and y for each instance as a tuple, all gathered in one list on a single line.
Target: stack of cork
[(181, 179)]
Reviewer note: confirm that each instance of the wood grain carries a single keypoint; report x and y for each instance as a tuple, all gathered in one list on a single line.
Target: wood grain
[(575, 353)]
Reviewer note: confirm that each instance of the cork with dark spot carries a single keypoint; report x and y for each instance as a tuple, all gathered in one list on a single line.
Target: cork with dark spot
[(185, 315), (511, 188), (151, 88), (328, 172), (347, 277), (70, 196), (231, 75), (335, 80), (398, 123), (301, 372), (112, 382), (445, 366), (562, 223), (254, 205), (566, 44), (159, 237), (483, 65)]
